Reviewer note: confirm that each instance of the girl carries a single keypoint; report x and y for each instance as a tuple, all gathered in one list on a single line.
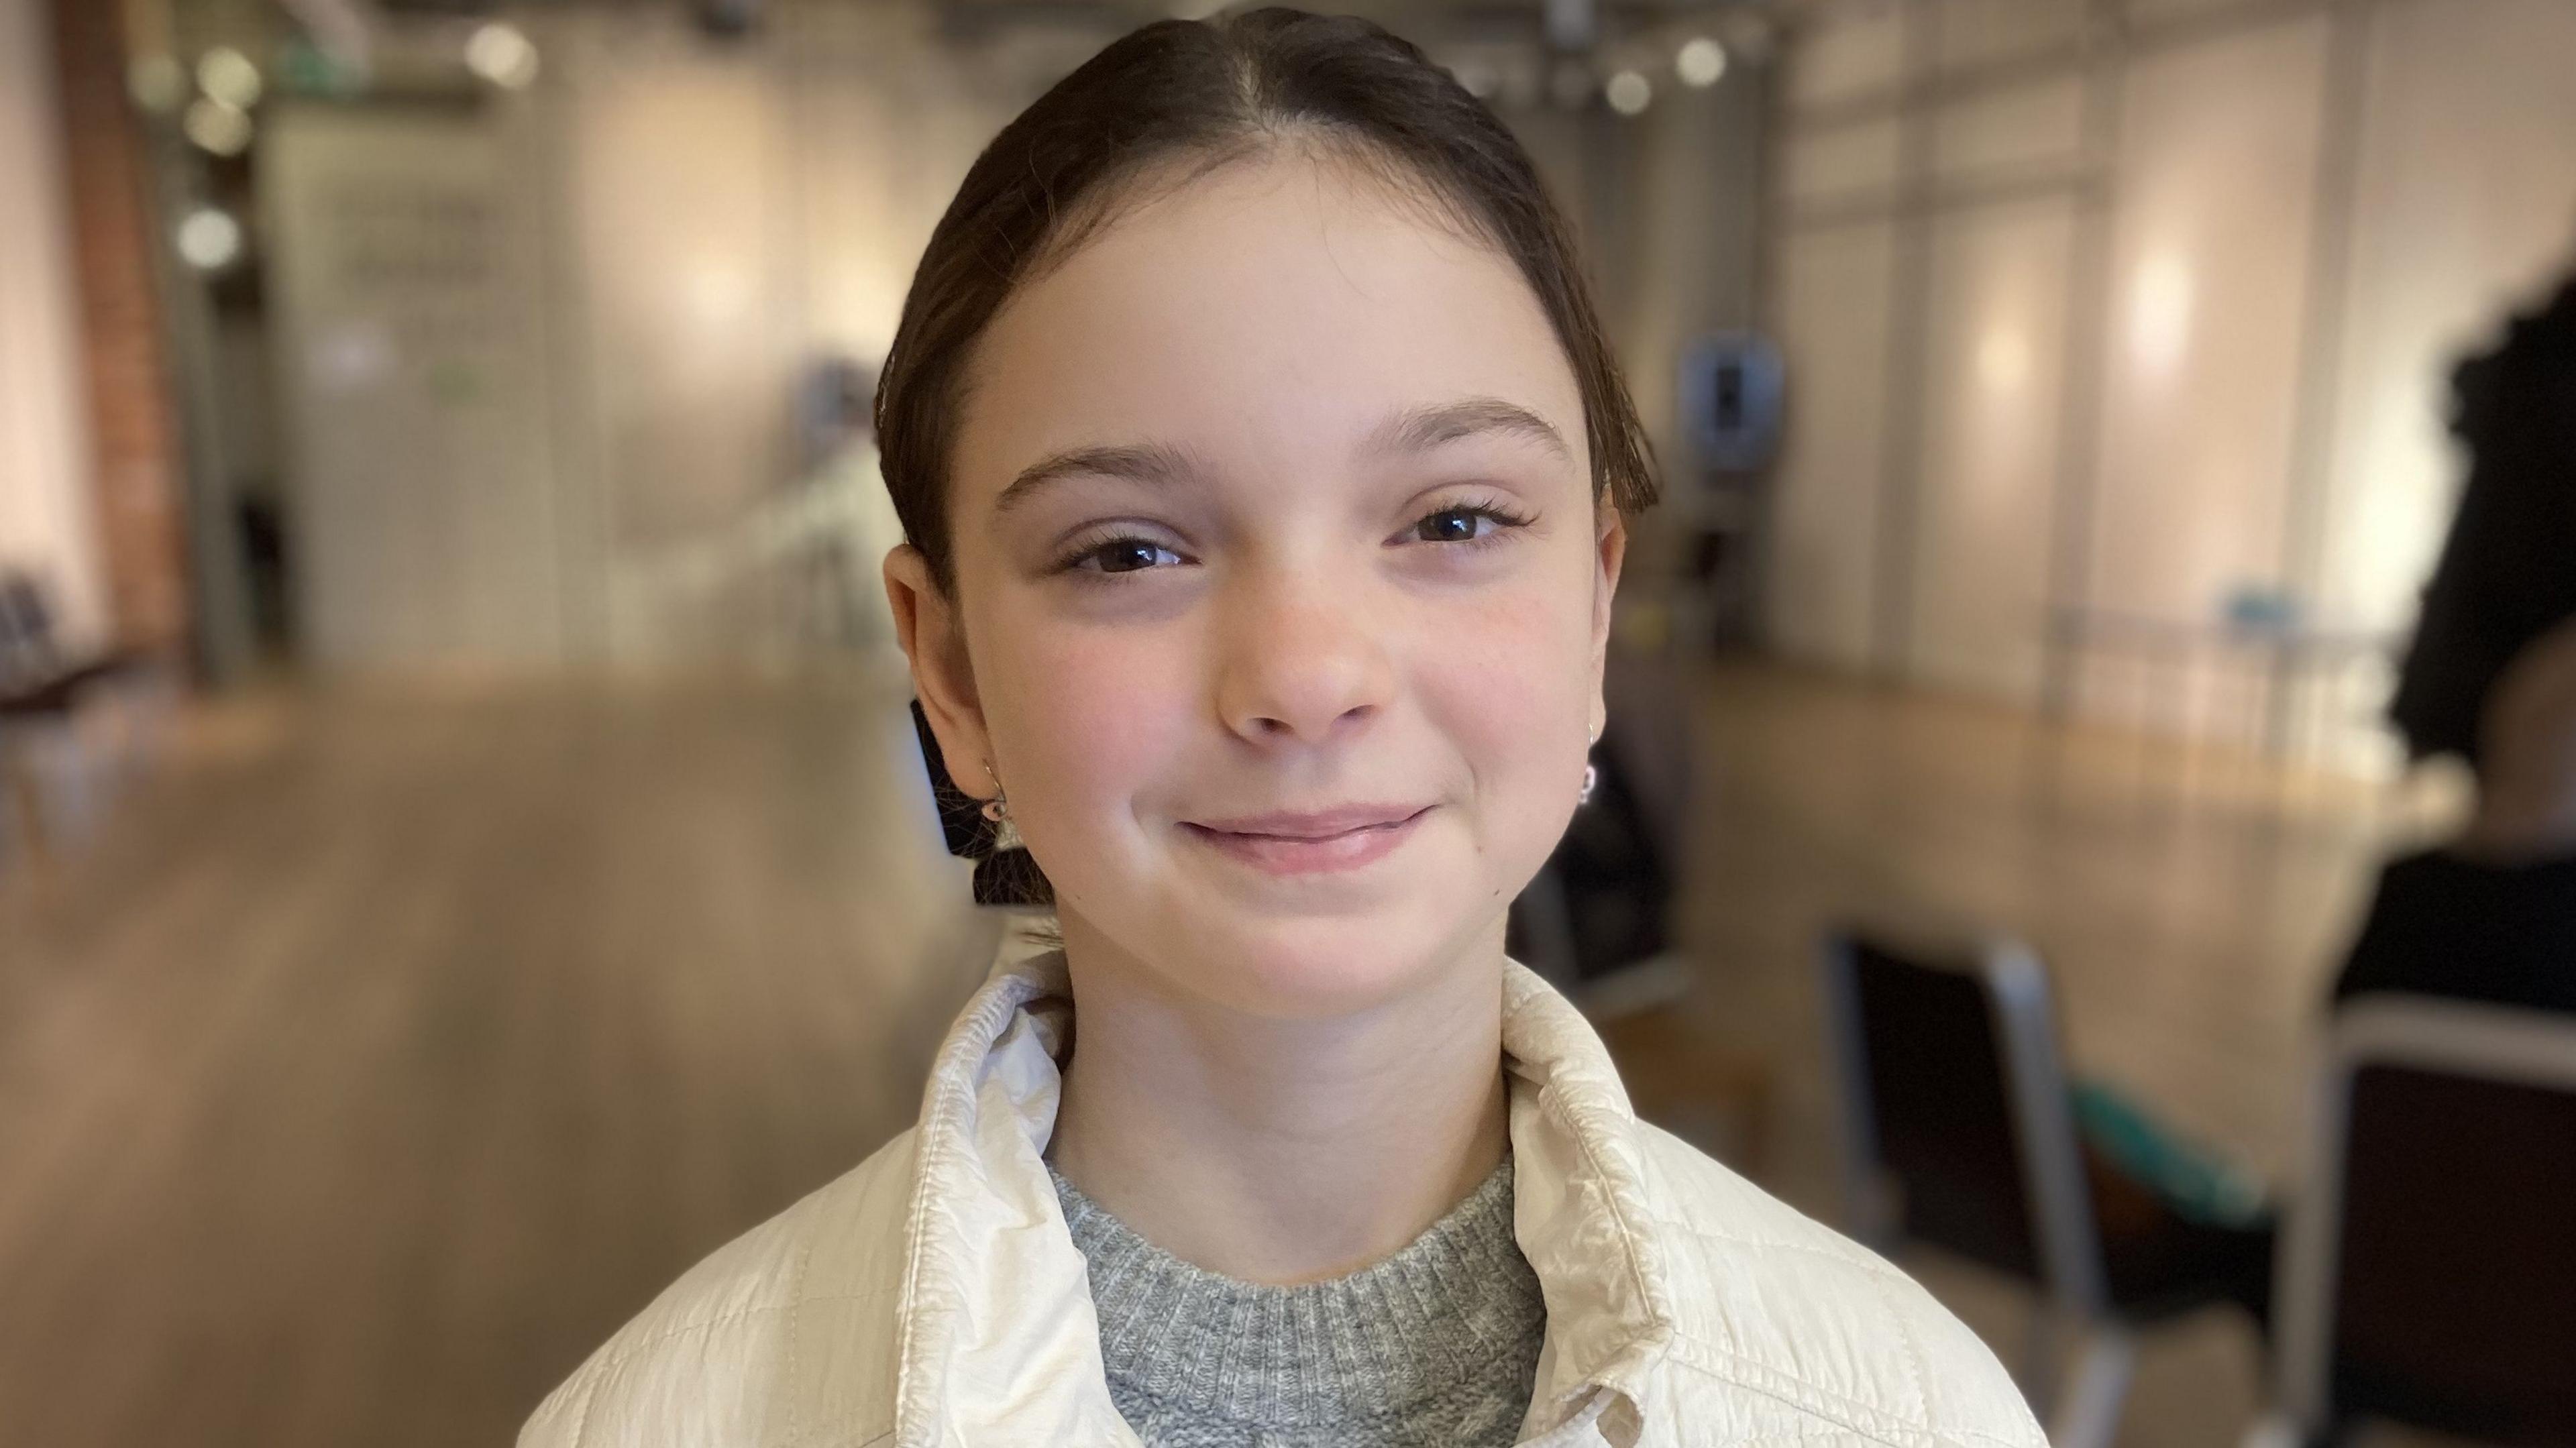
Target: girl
[(1266, 474)]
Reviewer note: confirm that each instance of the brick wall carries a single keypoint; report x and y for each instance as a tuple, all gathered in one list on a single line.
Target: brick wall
[(140, 488)]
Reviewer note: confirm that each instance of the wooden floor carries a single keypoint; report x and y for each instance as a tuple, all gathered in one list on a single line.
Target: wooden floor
[(387, 1050)]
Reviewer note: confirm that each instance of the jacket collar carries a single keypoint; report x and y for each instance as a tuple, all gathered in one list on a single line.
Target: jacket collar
[(996, 1336)]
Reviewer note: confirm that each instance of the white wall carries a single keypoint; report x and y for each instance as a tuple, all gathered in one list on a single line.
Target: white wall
[(676, 199), (2137, 330), (575, 446), (2469, 200), (1989, 444), (741, 212), (2218, 142), (402, 258), (47, 522), (1831, 304)]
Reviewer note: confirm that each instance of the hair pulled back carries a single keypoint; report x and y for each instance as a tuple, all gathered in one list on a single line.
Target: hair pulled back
[(1198, 95)]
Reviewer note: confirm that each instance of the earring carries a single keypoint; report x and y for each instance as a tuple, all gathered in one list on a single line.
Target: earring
[(1006, 835), (1591, 777)]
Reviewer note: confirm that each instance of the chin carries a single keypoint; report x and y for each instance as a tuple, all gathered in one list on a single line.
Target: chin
[(1316, 967)]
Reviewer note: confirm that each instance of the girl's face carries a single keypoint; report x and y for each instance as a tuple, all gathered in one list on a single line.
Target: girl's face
[(1281, 595)]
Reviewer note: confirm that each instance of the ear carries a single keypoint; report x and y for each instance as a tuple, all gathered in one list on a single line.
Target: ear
[(1612, 548), (933, 635)]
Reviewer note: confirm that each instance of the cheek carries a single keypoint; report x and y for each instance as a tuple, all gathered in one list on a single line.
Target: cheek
[(1081, 715), (1508, 677)]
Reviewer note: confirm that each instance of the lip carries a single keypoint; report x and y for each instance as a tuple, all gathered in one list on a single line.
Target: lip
[(1310, 842)]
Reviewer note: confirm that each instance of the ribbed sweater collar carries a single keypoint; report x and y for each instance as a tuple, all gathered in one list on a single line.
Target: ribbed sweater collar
[(1451, 1306)]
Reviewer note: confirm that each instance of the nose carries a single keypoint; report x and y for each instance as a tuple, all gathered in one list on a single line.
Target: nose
[(1298, 662)]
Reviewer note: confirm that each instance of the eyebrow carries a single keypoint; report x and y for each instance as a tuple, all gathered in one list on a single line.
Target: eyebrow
[(1423, 428), (1156, 463), (1414, 430)]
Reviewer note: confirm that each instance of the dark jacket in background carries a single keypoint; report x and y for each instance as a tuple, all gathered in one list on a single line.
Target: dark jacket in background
[(2445, 926)]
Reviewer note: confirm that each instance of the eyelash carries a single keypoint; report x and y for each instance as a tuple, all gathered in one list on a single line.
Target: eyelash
[(1083, 552)]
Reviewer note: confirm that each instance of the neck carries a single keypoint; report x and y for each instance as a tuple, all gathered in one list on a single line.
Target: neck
[(2526, 807), (1280, 1151), (2513, 832)]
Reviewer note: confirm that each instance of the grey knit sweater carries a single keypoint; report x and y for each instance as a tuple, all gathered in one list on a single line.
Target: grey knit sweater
[(1436, 1345)]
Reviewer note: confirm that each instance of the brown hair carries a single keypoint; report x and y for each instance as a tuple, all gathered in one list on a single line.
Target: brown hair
[(1211, 92)]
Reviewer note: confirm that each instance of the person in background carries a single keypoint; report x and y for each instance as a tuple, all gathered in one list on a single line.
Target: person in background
[(2491, 678), (2491, 916)]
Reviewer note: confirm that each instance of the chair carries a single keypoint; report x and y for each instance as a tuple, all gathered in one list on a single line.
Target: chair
[(47, 777), (2429, 1276), (1594, 921), (35, 676), (1958, 1133)]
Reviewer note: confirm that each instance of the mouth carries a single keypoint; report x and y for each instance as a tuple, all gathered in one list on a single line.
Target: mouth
[(1312, 842)]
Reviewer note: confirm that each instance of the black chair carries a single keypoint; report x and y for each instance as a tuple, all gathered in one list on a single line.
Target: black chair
[(42, 688), (1595, 920), (1958, 1133), (2429, 1276), (36, 677)]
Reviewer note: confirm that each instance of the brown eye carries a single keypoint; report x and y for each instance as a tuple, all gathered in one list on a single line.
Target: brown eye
[(1466, 524), (1128, 555), (1449, 526)]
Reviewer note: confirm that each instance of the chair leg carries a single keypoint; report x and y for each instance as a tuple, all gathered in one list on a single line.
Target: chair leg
[(2087, 1413), (22, 814), (67, 790), (2270, 1431), (2038, 1368), (2276, 1430)]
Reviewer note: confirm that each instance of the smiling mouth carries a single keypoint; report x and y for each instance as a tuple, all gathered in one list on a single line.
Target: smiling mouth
[(1312, 843)]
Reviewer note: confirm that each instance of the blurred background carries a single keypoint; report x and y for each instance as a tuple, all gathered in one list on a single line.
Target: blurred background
[(464, 854)]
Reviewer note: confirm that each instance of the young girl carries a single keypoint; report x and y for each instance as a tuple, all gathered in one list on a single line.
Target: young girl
[(1265, 473)]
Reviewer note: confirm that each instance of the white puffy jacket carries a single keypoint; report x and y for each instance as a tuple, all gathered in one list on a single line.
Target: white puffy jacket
[(932, 1296)]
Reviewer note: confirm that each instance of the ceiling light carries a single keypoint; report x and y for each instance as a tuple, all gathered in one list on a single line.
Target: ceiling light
[(1628, 93), (1700, 62), (219, 128), (209, 239), (227, 75), (499, 53)]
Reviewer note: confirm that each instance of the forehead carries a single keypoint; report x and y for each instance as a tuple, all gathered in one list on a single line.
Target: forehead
[(1269, 315)]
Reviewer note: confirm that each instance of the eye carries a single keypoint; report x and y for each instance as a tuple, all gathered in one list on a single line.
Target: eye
[(1126, 555), (1464, 523)]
